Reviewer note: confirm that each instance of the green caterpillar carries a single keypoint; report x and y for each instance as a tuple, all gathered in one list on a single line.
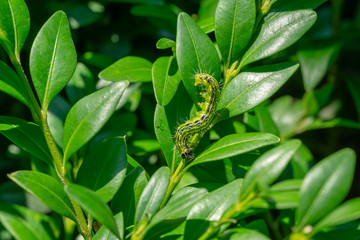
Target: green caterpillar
[(202, 122)]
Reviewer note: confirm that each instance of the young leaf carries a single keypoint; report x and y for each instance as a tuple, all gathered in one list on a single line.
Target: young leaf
[(268, 167), (11, 84), (211, 208), (88, 115), (27, 136), (235, 144), (234, 24), (93, 204), (252, 87), (133, 69), (153, 195), (316, 61), (14, 25), (195, 54), (103, 169), (261, 120), (164, 43), (321, 191), (47, 189), (52, 58), (166, 78), (279, 33)]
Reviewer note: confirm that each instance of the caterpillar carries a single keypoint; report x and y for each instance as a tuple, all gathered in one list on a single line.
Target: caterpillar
[(202, 122)]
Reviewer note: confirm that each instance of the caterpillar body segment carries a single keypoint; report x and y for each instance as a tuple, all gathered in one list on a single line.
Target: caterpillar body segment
[(202, 122)]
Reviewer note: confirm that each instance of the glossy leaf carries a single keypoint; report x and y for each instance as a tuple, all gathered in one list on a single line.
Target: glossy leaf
[(261, 120), (253, 86), (132, 69), (316, 61), (235, 144), (346, 212), (277, 200), (127, 197), (234, 24), (103, 169), (153, 195), (52, 58), (278, 33), (27, 136), (47, 189), (211, 208), (11, 84), (164, 43), (93, 204), (88, 115), (17, 227), (321, 191), (268, 167), (207, 24), (166, 78), (14, 25), (195, 54)]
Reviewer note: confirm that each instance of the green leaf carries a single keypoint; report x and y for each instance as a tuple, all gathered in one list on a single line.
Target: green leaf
[(179, 204), (195, 54), (164, 43), (346, 212), (81, 84), (27, 136), (166, 78), (277, 200), (93, 204), (321, 190), (152, 196), (207, 24), (83, 120), (127, 198), (253, 86), (211, 208), (105, 234), (14, 25), (268, 167), (287, 185), (133, 69), (52, 58), (260, 120), (285, 5), (18, 228), (234, 24), (353, 84), (103, 169), (235, 144), (315, 61), (245, 234), (47, 189), (11, 84), (278, 33), (174, 212), (19, 220)]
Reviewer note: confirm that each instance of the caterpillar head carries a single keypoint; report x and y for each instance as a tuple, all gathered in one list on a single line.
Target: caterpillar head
[(203, 79)]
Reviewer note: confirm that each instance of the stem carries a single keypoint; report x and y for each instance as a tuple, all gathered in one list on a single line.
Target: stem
[(33, 103), (174, 180), (40, 117)]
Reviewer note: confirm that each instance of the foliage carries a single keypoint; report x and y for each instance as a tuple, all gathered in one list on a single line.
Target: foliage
[(103, 160)]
